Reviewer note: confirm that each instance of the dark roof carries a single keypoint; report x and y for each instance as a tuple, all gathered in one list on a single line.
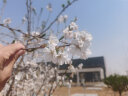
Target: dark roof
[(92, 62)]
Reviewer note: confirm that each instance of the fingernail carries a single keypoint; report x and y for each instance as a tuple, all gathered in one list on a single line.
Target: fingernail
[(20, 52)]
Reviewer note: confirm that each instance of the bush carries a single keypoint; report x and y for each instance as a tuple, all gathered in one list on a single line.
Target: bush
[(118, 83)]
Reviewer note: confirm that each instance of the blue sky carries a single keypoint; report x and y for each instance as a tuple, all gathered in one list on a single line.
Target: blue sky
[(106, 20)]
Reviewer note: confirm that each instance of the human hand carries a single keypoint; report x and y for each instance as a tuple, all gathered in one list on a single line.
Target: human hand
[(8, 56)]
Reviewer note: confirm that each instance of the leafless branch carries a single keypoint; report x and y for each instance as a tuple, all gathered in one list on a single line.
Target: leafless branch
[(29, 12), (50, 25), (58, 16), (39, 17), (12, 29), (2, 11)]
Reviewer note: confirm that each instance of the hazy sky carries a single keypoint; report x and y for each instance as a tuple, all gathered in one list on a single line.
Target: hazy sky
[(106, 20)]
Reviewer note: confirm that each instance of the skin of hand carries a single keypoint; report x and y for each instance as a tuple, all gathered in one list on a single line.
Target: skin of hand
[(8, 56)]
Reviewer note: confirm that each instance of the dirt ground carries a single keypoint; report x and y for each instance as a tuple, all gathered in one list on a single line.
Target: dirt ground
[(104, 91)]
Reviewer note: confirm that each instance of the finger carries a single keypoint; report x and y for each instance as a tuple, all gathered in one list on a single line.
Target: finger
[(18, 54), (9, 64), (12, 49), (15, 47), (8, 52)]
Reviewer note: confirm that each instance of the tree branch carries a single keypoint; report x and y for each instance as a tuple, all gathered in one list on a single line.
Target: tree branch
[(50, 25), (58, 16), (12, 29)]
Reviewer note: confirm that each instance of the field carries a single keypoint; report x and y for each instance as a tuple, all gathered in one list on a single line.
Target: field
[(100, 90)]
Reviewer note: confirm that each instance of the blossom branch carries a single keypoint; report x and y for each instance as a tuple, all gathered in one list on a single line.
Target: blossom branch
[(50, 25), (2, 10), (38, 92), (56, 48), (58, 16), (29, 9)]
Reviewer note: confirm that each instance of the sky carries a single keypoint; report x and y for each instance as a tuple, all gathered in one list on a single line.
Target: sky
[(106, 20)]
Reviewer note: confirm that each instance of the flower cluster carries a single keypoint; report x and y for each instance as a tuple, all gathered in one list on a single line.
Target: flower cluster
[(62, 18), (38, 72), (78, 45), (41, 69)]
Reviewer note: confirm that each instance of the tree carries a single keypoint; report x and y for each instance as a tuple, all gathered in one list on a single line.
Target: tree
[(37, 72), (118, 83)]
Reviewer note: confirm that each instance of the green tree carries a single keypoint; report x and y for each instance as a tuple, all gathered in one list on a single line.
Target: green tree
[(118, 83)]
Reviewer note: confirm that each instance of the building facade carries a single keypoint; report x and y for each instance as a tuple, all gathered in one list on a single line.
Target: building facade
[(93, 70)]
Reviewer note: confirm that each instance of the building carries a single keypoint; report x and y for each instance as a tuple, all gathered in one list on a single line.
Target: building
[(93, 70)]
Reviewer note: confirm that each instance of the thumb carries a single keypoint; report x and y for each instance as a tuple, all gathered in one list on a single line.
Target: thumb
[(18, 54), (14, 58)]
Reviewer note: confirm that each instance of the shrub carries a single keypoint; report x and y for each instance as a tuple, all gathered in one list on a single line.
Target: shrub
[(118, 83)]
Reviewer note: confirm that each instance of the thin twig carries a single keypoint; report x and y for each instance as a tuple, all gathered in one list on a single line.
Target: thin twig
[(43, 46), (28, 4), (39, 17), (58, 16), (2, 11), (12, 29), (18, 30), (50, 25), (48, 18)]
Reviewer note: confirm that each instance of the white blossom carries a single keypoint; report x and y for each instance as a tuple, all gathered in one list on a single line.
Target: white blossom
[(73, 26), (62, 18), (24, 19), (7, 21), (85, 54), (53, 41), (65, 17), (80, 66), (33, 73), (49, 54), (68, 33), (80, 44), (72, 68), (19, 76), (34, 33), (58, 78), (61, 58), (49, 7)]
